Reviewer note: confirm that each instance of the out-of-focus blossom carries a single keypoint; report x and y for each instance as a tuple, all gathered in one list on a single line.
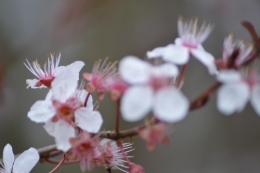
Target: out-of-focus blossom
[(151, 90), (189, 42), (23, 164), (229, 46), (135, 168), (154, 134), (109, 155), (84, 149), (117, 87), (63, 110), (50, 71), (100, 76), (238, 88)]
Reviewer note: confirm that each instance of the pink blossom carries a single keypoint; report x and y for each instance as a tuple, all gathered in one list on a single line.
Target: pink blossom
[(83, 148), (110, 155), (189, 42), (98, 79), (134, 168), (154, 134)]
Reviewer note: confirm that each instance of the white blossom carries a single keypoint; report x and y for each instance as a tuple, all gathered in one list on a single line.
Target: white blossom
[(151, 90)]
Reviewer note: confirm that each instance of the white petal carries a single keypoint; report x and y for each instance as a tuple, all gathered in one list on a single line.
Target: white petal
[(176, 54), (75, 67), (8, 158), (136, 102), (41, 111), (166, 70), (64, 85), (170, 105), (205, 58), (255, 98), (229, 76), (32, 82), (50, 128), (26, 161), (88, 120), (49, 95), (155, 53), (232, 98), (133, 70), (63, 132)]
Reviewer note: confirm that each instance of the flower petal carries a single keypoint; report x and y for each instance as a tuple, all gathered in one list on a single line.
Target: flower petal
[(62, 132), (232, 98), (32, 83), (170, 105), (75, 68), (41, 111), (176, 54), (88, 120), (133, 70), (155, 53), (64, 85), (229, 76), (255, 98), (205, 58), (8, 158), (26, 161), (136, 102), (166, 70)]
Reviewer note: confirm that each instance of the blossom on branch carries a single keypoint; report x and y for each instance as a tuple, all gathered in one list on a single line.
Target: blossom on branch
[(49, 72), (99, 79), (238, 88), (22, 164), (109, 155), (151, 90), (154, 134), (63, 110), (189, 42)]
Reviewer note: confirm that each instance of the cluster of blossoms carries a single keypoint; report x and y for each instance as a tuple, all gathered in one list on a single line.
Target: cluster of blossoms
[(140, 88)]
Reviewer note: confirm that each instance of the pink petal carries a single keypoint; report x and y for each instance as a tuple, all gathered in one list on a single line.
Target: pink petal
[(8, 158), (41, 111), (205, 58), (133, 70), (88, 120), (136, 102), (170, 105), (232, 98), (26, 161), (255, 98)]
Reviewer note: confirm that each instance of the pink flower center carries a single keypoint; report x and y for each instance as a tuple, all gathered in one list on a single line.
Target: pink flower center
[(45, 81)]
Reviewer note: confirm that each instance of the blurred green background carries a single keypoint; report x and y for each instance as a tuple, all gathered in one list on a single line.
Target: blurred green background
[(204, 142)]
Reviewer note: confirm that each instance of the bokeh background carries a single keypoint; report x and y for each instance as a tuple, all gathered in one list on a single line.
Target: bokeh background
[(88, 30)]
